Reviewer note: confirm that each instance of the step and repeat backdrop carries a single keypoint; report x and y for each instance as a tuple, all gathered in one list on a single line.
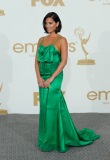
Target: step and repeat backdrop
[(86, 25)]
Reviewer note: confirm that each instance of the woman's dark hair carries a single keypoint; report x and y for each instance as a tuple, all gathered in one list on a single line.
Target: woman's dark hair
[(56, 18)]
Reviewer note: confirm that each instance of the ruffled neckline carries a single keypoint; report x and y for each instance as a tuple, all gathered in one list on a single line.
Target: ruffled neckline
[(50, 46), (47, 53)]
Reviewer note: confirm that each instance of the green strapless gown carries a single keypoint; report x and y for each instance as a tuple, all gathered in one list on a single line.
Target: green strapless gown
[(56, 128)]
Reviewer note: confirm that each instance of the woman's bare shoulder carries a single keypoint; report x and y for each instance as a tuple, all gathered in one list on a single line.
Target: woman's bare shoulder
[(63, 39), (40, 39)]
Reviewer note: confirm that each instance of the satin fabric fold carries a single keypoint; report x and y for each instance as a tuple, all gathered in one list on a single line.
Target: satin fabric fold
[(56, 127)]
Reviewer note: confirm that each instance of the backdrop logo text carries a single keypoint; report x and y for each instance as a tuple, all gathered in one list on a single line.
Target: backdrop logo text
[(99, 95), (2, 13), (31, 48), (48, 2)]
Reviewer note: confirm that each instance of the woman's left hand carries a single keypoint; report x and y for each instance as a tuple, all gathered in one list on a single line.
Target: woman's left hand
[(47, 82)]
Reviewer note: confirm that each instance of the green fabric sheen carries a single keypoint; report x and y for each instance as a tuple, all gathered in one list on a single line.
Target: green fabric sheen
[(56, 128)]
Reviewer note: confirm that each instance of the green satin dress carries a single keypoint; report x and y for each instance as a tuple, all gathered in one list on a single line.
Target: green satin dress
[(56, 128)]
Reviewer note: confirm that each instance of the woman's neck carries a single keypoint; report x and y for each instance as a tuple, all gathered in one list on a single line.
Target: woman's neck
[(53, 34)]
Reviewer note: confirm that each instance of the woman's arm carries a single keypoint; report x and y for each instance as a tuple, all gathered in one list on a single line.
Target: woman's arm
[(64, 57), (39, 78)]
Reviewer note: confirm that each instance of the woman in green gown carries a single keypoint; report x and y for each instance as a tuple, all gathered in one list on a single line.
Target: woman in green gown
[(56, 128)]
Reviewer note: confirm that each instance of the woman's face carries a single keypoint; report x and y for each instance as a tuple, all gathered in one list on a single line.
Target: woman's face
[(50, 25)]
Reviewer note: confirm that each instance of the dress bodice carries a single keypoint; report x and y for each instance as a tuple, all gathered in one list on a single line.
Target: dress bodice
[(48, 54)]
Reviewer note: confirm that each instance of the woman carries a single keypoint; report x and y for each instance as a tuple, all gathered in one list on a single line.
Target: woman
[(56, 128)]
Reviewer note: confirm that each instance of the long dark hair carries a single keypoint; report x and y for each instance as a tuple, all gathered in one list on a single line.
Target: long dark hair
[(56, 18)]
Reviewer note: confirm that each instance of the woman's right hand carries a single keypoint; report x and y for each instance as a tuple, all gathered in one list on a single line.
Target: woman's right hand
[(40, 81)]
